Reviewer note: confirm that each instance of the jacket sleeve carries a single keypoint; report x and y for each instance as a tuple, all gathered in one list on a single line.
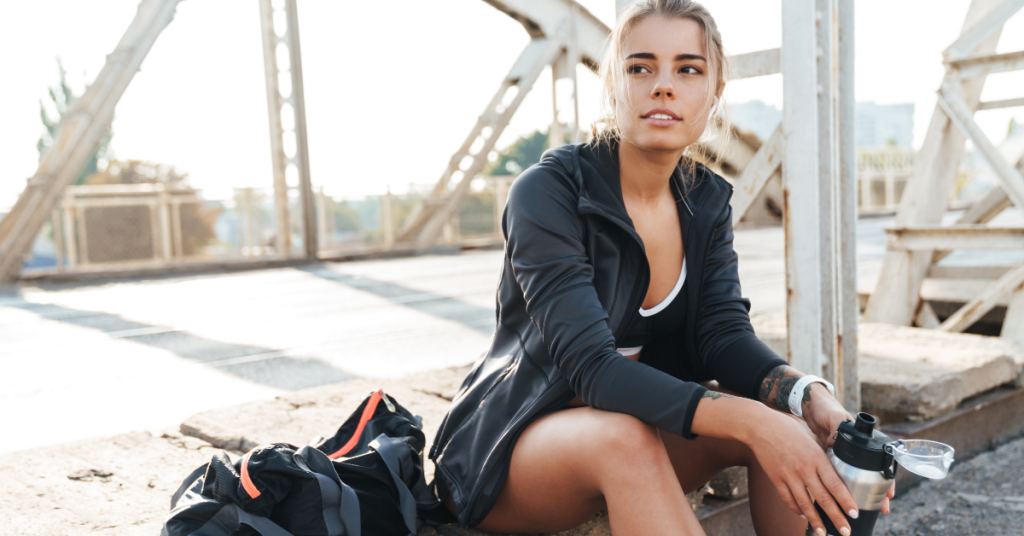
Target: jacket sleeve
[(544, 236), (726, 343)]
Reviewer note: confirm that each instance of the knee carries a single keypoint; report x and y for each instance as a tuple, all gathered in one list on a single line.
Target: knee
[(626, 440)]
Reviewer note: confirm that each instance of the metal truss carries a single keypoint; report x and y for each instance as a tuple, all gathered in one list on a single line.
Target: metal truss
[(78, 135), (919, 241)]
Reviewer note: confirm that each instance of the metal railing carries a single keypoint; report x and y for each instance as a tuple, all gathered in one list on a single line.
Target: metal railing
[(122, 227)]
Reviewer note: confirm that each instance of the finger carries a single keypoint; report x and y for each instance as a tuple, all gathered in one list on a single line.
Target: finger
[(829, 505), (892, 491), (837, 490), (806, 505), (787, 498), (885, 505)]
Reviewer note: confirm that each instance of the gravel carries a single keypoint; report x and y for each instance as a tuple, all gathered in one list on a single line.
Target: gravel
[(982, 496)]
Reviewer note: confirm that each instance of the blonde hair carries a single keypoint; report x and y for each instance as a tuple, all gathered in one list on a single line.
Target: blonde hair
[(612, 69)]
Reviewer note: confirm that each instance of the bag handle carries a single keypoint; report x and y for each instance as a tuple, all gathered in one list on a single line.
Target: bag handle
[(397, 456), (189, 480), (340, 502), (230, 518)]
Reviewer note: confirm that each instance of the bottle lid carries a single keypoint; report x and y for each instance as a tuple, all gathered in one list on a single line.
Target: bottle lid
[(860, 445)]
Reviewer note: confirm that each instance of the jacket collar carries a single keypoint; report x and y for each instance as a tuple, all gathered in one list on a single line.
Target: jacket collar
[(599, 164)]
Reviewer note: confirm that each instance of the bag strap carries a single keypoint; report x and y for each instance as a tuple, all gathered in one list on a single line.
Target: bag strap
[(397, 456), (189, 480), (340, 502), (230, 518)]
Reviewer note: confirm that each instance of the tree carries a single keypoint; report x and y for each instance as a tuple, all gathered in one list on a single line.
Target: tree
[(521, 154), (61, 96)]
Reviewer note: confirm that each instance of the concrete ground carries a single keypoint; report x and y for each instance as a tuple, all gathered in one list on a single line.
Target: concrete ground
[(94, 359), (97, 359)]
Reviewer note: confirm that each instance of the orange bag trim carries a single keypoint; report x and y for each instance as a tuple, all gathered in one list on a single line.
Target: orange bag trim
[(368, 411), (250, 488)]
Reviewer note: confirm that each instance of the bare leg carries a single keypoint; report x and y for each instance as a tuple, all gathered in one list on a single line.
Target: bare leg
[(568, 465), (698, 461)]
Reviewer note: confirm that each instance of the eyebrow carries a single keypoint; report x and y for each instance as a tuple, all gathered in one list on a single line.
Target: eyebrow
[(681, 57)]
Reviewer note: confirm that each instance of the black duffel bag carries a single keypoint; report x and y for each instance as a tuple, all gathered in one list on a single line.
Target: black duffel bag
[(366, 480)]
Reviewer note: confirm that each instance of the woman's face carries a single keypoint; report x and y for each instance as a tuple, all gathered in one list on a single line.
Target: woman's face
[(666, 85)]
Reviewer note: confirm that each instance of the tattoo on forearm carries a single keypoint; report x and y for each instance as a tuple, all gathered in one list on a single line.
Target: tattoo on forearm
[(715, 395), (807, 394), (778, 384)]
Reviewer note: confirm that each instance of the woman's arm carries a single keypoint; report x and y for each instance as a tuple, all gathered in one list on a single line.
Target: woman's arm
[(786, 450)]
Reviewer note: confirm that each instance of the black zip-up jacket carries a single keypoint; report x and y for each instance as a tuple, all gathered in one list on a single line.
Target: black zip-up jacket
[(574, 277)]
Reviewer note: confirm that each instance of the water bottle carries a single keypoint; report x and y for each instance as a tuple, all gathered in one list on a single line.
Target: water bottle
[(866, 461)]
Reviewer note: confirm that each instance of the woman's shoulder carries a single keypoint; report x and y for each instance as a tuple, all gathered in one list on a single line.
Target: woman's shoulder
[(551, 176)]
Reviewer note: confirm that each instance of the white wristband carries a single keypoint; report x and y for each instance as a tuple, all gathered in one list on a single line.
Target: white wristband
[(796, 395)]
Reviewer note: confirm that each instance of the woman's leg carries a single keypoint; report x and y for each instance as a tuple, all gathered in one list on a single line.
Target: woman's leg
[(698, 461), (571, 463)]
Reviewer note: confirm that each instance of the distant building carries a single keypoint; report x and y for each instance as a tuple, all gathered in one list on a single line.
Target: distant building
[(756, 116), (877, 125)]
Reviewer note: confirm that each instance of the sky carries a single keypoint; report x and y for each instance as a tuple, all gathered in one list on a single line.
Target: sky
[(392, 93)]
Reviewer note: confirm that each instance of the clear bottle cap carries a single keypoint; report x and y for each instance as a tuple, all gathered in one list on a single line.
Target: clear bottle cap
[(929, 459)]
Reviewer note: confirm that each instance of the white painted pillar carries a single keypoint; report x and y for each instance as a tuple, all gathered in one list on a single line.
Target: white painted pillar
[(801, 185)]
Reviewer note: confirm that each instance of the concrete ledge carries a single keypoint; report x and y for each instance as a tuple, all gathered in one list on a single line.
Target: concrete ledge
[(917, 374)]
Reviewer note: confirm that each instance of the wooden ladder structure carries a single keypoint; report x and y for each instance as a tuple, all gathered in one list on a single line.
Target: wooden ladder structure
[(918, 240)]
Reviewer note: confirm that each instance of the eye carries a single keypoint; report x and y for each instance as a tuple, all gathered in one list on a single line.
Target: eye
[(689, 69), (636, 69)]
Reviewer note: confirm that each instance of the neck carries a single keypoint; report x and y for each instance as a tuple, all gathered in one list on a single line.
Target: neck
[(644, 176)]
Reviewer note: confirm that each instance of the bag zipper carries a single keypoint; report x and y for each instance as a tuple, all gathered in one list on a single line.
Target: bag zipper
[(368, 411), (247, 482)]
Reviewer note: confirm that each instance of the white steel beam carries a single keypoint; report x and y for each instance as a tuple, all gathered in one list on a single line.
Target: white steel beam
[(1005, 103), (801, 181), (847, 303), (973, 310), (759, 63), (926, 317), (954, 237), (80, 130), (278, 158), (301, 158), (1013, 322), (985, 64), (960, 113), (762, 168), (983, 27)]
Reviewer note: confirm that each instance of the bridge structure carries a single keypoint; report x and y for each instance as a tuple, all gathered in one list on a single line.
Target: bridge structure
[(919, 241), (814, 142)]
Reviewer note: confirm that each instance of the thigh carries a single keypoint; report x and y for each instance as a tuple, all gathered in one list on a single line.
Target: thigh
[(551, 485), (697, 461)]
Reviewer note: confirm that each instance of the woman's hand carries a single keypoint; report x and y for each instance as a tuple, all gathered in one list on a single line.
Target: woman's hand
[(797, 465), (823, 414)]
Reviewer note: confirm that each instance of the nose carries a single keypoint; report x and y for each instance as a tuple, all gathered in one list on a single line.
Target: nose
[(663, 87)]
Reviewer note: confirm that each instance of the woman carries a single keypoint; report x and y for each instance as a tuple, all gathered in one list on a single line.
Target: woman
[(619, 293)]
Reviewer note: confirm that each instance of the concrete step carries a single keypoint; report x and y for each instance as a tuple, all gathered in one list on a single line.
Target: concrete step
[(917, 374)]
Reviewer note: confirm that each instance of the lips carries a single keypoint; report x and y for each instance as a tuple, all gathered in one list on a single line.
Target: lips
[(661, 117), (661, 114)]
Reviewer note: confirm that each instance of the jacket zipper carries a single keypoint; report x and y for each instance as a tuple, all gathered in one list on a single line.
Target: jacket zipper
[(644, 280)]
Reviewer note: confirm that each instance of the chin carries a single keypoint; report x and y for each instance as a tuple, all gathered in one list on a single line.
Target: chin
[(660, 143)]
